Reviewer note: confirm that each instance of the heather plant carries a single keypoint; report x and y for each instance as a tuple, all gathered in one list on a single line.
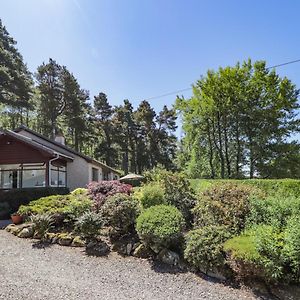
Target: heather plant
[(100, 191)]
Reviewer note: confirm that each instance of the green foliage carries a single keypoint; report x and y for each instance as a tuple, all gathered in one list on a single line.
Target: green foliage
[(120, 212), (42, 224), (160, 226), (177, 190), (273, 210), (224, 204), (16, 197), (69, 206), (204, 247), (240, 118), (291, 248), (79, 191), (88, 225), (151, 194)]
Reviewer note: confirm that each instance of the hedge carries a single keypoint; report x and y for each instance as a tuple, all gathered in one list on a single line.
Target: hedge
[(11, 200)]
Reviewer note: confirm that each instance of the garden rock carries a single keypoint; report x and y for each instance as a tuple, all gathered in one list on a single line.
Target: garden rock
[(142, 251), (12, 228), (78, 242), (168, 257), (97, 248), (26, 232), (65, 240)]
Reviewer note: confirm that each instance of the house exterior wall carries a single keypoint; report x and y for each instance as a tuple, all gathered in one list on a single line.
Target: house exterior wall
[(78, 174), (12, 151)]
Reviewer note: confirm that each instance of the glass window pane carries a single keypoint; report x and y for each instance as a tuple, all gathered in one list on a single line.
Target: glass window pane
[(9, 179), (62, 179), (54, 177), (34, 178)]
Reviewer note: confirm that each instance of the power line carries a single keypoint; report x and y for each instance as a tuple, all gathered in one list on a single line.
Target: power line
[(188, 89)]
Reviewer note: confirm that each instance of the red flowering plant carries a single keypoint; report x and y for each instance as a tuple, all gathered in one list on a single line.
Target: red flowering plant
[(100, 191)]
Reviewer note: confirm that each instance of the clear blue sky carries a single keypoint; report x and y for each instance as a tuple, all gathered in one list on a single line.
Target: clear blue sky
[(137, 49)]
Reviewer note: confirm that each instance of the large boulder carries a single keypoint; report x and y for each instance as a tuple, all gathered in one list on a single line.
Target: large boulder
[(168, 257), (97, 248)]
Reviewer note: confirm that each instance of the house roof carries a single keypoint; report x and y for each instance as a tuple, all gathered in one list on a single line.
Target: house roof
[(66, 148), (35, 144)]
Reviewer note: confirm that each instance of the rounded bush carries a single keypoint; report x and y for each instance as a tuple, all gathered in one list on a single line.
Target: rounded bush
[(120, 212), (79, 191), (204, 247), (160, 226), (151, 194)]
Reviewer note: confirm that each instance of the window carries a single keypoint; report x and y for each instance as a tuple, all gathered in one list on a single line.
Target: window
[(58, 176), (95, 174), (22, 175)]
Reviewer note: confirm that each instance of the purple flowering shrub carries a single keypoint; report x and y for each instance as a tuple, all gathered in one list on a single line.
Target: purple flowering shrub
[(100, 191)]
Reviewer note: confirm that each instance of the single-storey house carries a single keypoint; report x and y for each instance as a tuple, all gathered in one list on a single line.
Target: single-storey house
[(28, 160)]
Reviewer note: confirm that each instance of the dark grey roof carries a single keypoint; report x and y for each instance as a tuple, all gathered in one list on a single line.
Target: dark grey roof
[(66, 148)]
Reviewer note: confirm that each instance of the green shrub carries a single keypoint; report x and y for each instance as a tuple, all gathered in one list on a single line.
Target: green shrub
[(160, 226), (261, 251), (80, 191), (226, 204), (120, 212), (151, 194), (88, 225), (41, 224), (291, 248), (69, 206), (177, 190), (273, 210), (17, 197), (204, 247)]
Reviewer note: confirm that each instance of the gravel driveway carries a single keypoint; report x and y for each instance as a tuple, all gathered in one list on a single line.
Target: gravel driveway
[(60, 272)]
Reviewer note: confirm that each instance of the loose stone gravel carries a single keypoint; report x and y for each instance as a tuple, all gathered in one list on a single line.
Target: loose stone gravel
[(57, 272)]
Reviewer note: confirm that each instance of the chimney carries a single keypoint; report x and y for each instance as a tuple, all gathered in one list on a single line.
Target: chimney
[(59, 138)]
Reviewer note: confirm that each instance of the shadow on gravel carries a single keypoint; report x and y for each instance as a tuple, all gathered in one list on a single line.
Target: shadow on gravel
[(41, 245), (160, 267)]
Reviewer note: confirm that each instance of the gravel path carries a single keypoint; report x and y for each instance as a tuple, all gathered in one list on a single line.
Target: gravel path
[(60, 272)]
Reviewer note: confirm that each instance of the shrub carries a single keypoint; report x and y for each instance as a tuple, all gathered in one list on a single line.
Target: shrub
[(291, 248), (243, 257), (273, 210), (100, 191), (79, 191), (16, 197), (261, 251), (151, 194), (204, 247), (120, 212), (160, 226), (41, 224), (67, 207), (177, 190), (226, 204), (88, 225)]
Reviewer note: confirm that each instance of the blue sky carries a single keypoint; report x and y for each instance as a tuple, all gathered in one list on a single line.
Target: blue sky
[(136, 49)]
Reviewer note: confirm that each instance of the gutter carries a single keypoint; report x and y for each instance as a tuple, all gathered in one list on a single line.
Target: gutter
[(49, 171)]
